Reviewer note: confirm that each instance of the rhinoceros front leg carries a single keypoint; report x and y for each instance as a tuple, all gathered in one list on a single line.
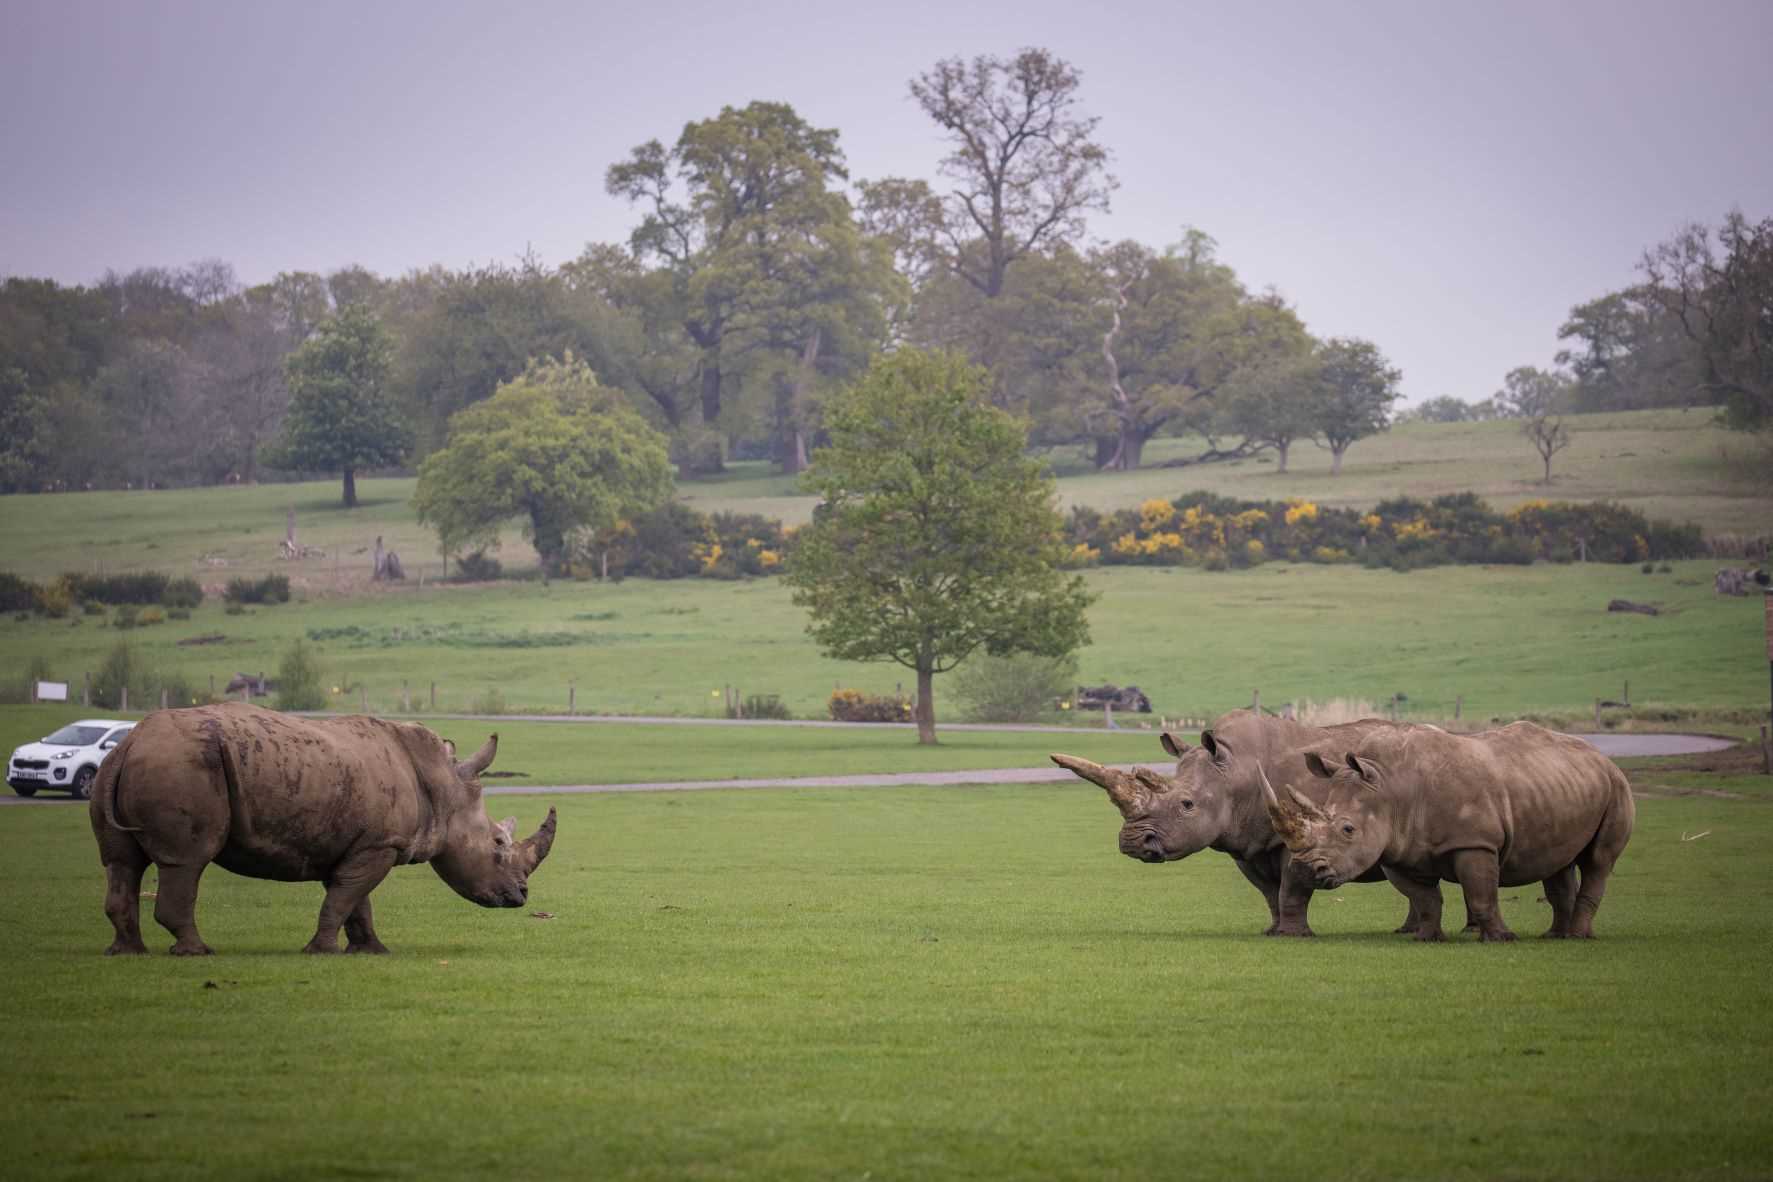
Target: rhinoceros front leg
[(1270, 891), (360, 931), (1425, 903), (348, 888), (175, 908), (1478, 873), (1295, 902)]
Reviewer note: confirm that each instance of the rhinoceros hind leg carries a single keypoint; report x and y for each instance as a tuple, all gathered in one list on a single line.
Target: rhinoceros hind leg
[(1424, 919), (1560, 892), (1596, 864), (175, 908), (346, 890), (123, 898), (360, 931), (1478, 872)]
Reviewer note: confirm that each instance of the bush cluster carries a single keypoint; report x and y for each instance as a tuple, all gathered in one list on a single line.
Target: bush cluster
[(270, 589), (138, 587), (848, 705), (58, 596), (1201, 529), (760, 706)]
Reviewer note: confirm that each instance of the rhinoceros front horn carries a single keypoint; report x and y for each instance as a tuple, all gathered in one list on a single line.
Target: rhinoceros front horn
[(1289, 818), (1122, 789), (481, 759), (537, 844)]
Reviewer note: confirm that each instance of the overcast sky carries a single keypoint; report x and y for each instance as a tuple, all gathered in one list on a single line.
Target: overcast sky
[(1446, 180)]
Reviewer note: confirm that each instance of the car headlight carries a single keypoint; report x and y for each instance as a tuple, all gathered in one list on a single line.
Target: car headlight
[(65, 754)]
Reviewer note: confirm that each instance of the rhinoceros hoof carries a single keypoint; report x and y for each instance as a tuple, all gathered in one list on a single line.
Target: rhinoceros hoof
[(1301, 933), (376, 949), (1431, 936), (316, 948), (1503, 937), (1555, 934), (192, 950), (121, 949)]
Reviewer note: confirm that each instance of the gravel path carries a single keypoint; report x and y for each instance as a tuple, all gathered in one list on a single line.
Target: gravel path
[(1612, 746)]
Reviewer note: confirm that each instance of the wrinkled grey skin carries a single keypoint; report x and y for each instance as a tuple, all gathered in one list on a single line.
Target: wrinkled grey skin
[(1214, 801), (339, 800), (1507, 807)]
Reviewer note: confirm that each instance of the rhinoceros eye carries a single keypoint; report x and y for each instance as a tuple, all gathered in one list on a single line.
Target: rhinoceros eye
[(1187, 805), (1348, 829)]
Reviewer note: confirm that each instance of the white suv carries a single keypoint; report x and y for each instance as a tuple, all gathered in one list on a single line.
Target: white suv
[(66, 760)]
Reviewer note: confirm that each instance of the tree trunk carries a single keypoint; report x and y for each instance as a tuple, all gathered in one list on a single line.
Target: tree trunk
[(1105, 449), (1132, 447), (710, 391), (794, 449), (926, 706), (350, 488), (1282, 446), (1547, 467), (1336, 458)]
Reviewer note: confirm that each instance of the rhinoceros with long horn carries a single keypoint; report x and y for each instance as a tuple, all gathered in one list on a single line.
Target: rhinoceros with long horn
[(1503, 808), (341, 801), (1214, 801)]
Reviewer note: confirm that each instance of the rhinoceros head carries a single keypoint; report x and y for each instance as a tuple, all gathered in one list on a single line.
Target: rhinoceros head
[(1342, 838), (483, 861), (1166, 818)]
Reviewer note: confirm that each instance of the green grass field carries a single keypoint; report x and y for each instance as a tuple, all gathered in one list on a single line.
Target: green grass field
[(1510, 640), (918, 983), (1668, 464)]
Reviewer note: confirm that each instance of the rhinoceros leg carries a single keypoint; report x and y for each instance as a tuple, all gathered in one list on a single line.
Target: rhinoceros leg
[(124, 865), (1560, 892), (1478, 873), (175, 908), (360, 931), (1425, 904), (1295, 902), (1270, 892), (351, 881)]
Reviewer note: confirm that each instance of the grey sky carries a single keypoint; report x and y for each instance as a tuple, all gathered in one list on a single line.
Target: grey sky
[(1446, 180)]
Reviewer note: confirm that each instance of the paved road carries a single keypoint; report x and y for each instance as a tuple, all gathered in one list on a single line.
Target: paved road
[(1613, 746)]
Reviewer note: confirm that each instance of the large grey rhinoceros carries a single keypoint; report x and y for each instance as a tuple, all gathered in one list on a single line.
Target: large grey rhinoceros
[(1214, 801), (1511, 806), (340, 801)]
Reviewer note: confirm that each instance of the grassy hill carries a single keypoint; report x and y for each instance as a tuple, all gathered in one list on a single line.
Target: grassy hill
[(1672, 464)]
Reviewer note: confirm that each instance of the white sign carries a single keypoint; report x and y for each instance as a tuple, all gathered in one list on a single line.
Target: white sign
[(52, 691)]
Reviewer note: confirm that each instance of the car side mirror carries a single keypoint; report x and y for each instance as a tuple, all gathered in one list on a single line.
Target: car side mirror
[(107, 744)]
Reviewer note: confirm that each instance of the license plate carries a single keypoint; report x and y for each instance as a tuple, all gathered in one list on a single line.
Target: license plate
[(30, 775)]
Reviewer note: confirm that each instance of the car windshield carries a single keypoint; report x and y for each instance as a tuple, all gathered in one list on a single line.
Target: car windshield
[(75, 735)]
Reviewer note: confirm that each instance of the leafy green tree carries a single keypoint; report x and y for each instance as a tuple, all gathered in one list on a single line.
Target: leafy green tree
[(553, 447), (1274, 401), (298, 679), (341, 417), (1358, 389), (1446, 409), (935, 536)]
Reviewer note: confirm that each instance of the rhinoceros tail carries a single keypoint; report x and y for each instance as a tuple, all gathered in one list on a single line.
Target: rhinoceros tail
[(104, 786), (239, 819)]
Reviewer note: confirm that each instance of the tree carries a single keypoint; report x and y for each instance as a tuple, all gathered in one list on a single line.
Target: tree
[(1725, 307), (1445, 409), (551, 446), (340, 415), (935, 536), (1274, 401), (1026, 164), (1358, 389), (1537, 399)]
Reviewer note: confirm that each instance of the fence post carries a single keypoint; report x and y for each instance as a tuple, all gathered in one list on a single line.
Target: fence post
[(434, 695), (163, 697), (1626, 697), (405, 697), (86, 690), (212, 687), (1766, 754), (1458, 706), (1256, 701), (125, 693), (1597, 712), (572, 693), (363, 696)]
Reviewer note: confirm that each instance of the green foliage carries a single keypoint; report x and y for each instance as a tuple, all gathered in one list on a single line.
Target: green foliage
[(936, 536), (340, 415), (184, 593), (477, 567), (151, 616), (1357, 392), (54, 598), (16, 594), (489, 702), (761, 706), (552, 448), (121, 670), (1016, 688), (298, 679), (137, 587), (268, 589), (127, 617)]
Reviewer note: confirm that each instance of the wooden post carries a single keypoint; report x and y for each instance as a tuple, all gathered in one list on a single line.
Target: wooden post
[(1766, 754), (433, 695), (1626, 696), (405, 697), (1256, 701), (1597, 712), (572, 692), (1458, 706), (163, 697), (125, 691), (86, 688), (363, 692), (212, 687)]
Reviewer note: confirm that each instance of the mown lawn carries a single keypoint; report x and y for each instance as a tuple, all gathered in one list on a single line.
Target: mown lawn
[(917, 983), (1509, 640)]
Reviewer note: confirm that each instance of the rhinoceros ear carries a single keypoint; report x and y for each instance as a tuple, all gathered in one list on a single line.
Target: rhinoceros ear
[(1319, 767), (1366, 769), (1172, 744), (503, 832), (1219, 749)]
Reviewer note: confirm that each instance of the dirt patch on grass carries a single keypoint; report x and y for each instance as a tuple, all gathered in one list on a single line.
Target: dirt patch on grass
[(1744, 759)]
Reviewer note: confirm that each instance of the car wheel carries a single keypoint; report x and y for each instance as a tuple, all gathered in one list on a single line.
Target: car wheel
[(82, 785), (25, 789)]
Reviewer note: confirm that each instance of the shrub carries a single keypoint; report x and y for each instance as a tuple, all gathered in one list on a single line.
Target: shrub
[(848, 705), (491, 702), (93, 607), (16, 594), (151, 616), (478, 567), (235, 609), (761, 706), (1013, 688), (298, 679), (178, 613), (54, 599), (182, 593), (270, 589), (127, 616), (120, 670), (139, 587)]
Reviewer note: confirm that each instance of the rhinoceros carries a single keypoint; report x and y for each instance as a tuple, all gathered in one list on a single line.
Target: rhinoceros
[(340, 801), (1214, 801), (1503, 808)]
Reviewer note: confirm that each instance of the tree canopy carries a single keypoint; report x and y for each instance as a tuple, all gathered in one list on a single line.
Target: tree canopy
[(340, 415), (552, 447), (936, 536)]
